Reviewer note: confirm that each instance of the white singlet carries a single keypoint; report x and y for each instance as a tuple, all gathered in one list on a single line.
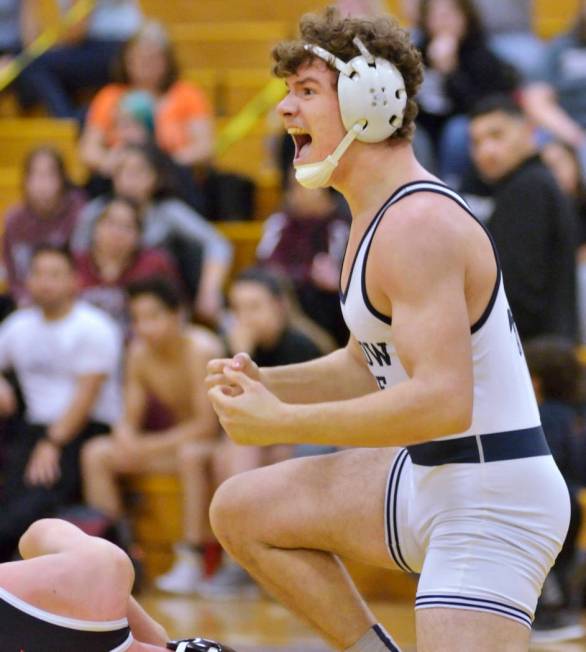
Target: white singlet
[(481, 514)]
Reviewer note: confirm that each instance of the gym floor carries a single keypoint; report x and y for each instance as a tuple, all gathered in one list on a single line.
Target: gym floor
[(261, 625)]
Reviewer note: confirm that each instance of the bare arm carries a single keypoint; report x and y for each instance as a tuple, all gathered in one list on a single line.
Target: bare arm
[(30, 26), (201, 143), (340, 375), (423, 278), (204, 423), (143, 627), (95, 154), (135, 395), (78, 413), (540, 103)]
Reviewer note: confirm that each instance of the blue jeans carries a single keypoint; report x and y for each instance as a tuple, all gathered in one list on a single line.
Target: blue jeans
[(55, 77)]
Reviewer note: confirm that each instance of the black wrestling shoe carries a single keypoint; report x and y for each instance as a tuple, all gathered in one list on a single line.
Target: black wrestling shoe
[(198, 645)]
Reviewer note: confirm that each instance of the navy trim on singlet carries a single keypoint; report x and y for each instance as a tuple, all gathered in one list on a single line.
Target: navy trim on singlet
[(476, 449), (344, 294), (22, 631), (439, 189)]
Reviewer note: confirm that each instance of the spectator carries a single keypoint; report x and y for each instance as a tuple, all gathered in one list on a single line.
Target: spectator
[(509, 26), (117, 259), (65, 355), (83, 59), (460, 71), (166, 413), (558, 102), (182, 121), (202, 254), (261, 329), (563, 162), (48, 214), (305, 242), (556, 372), (532, 223)]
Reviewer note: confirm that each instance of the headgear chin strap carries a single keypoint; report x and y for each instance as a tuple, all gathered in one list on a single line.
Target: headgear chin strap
[(372, 99)]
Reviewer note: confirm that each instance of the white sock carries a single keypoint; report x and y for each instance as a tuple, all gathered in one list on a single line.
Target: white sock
[(376, 639)]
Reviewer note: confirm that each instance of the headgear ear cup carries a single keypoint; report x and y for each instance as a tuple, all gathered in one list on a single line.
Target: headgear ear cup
[(372, 99)]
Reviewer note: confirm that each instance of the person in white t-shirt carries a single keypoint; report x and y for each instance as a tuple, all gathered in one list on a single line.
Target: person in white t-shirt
[(66, 357)]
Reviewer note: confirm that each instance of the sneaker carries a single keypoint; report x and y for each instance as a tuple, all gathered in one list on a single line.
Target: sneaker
[(231, 581), (557, 626), (185, 574), (198, 645)]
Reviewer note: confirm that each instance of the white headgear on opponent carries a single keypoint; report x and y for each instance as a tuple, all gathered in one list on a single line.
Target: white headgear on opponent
[(372, 98)]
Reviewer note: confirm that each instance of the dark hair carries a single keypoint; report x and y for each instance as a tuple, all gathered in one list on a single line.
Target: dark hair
[(56, 250), (130, 203), (159, 288), (120, 68), (383, 37), (57, 158), (497, 103), (269, 280), (553, 360), (474, 27), (160, 164)]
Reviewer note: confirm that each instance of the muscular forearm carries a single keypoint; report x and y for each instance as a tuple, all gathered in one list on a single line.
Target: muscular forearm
[(408, 413), (334, 377)]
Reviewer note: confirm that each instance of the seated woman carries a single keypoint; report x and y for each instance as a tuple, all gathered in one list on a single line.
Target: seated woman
[(116, 259), (460, 70), (183, 117), (48, 213), (167, 223), (71, 592)]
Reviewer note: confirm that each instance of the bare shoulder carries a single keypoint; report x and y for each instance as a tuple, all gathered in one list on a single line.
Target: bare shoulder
[(205, 343), (424, 228), (137, 353)]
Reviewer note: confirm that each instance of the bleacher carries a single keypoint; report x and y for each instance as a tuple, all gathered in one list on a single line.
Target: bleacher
[(225, 47)]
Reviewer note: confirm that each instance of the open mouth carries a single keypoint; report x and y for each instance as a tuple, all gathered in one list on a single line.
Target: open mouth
[(301, 139)]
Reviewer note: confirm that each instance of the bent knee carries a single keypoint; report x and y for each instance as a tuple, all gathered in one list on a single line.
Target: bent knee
[(233, 507), (97, 451)]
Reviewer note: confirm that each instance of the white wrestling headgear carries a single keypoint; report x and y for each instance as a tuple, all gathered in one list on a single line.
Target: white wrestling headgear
[(372, 98)]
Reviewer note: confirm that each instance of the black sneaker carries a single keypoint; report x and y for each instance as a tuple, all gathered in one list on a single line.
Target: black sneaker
[(198, 645)]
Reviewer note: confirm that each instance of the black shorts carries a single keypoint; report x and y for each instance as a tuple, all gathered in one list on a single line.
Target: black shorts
[(24, 628)]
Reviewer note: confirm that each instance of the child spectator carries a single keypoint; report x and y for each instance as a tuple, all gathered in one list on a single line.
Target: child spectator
[(556, 372), (305, 242), (182, 125), (202, 254), (116, 259), (166, 413), (48, 214)]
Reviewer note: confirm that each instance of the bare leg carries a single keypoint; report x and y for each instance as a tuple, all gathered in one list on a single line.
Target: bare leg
[(286, 523), (453, 630), (194, 462), (100, 477)]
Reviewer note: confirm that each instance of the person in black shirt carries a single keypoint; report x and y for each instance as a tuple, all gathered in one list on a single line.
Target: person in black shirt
[(532, 222)]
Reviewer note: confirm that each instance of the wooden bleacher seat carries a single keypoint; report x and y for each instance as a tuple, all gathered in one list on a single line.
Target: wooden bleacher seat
[(19, 135), (552, 17), (226, 45)]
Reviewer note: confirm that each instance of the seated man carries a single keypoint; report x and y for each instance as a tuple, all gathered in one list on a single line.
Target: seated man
[(46, 605), (65, 355), (166, 409)]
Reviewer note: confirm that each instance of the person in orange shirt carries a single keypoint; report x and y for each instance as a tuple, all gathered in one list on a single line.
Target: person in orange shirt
[(183, 116)]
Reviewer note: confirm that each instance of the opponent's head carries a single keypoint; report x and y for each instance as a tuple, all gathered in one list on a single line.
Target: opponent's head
[(348, 78)]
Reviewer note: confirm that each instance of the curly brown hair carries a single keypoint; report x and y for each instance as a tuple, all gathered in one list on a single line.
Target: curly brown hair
[(382, 36)]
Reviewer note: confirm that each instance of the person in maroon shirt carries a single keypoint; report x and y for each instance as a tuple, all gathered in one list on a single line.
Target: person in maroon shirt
[(116, 259), (47, 215)]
